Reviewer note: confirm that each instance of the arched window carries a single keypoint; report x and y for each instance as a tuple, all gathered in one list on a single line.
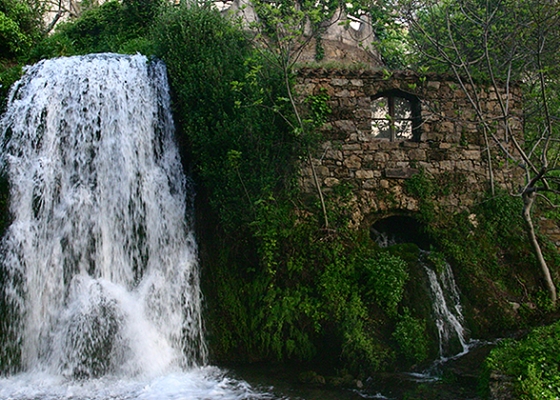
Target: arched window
[(395, 116)]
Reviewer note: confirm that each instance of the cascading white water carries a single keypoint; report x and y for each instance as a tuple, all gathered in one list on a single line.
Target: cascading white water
[(446, 301), (99, 263), (448, 313)]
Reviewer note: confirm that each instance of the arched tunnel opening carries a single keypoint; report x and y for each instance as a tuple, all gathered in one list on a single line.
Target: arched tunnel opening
[(399, 229)]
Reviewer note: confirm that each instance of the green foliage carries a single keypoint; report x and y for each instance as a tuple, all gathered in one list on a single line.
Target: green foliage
[(460, 33), (391, 34), (114, 26), (420, 186), (304, 295), (319, 108), (292, 15), (411, 337), (490, 247), (226, 105), (385, 278), (532, 363), (20, 27), (423, 188), (488, 244), (13, 40), (8, 75), (344, 305), (96, 30), (437, 259)]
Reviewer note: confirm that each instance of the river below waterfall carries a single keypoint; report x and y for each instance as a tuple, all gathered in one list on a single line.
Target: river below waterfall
[(456, 379), (258, 382)]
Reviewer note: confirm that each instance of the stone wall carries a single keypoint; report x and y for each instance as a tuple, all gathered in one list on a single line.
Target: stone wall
[(448, 146)]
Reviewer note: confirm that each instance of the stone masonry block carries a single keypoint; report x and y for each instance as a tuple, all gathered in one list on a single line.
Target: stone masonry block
[(353, 162)]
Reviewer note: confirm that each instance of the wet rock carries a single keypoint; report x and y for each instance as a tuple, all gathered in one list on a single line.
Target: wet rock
[(311, 377), (501, 386)]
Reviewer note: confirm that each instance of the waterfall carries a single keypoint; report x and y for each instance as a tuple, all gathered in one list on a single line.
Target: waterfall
[(447, 310), (99, 279), (101, 263)]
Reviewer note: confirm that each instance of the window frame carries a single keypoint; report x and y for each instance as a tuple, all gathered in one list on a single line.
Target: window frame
[(415, 115)]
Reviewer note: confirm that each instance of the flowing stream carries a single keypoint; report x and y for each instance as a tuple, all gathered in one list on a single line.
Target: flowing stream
[(100, 286), (448, 313)]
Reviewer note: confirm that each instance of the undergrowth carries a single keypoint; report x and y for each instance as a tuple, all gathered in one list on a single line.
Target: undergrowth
[(531, 364)]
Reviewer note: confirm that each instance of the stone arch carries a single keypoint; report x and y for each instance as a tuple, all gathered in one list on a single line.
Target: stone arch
[(399, 228), (396, 115)]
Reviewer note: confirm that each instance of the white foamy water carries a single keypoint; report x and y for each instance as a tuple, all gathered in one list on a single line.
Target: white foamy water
[(201, 383), (101, 295), (448, 313)]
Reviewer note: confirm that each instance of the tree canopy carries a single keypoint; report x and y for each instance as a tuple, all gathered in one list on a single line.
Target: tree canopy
[(502, 43)]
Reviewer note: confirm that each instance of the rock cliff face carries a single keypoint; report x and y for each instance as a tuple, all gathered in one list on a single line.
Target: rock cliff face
[(432, 127)]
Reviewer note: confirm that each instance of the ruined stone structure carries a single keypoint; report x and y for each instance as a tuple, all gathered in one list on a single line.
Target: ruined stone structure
[(386, 128), (344, 38)]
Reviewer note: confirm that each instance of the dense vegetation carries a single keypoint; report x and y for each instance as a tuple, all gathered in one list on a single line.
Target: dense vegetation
[(531, 364), (279, 286)]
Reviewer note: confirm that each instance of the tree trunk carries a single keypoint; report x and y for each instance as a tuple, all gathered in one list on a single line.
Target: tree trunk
[(529, 196)]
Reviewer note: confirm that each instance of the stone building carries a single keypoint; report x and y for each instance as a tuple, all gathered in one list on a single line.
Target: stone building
[(385, 128), (344, 38)]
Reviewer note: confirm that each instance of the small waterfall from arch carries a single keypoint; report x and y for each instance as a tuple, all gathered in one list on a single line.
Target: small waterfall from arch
[(447, 311), (445, 298)]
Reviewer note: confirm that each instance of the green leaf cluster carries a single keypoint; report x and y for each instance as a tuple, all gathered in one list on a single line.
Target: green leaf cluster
[(531, 363), (386, 276), (227, 108), (411, 337), (114, 26), (20, 27)]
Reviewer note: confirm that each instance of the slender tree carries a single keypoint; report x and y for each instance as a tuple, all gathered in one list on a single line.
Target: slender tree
[(283, 30), (502, 43)]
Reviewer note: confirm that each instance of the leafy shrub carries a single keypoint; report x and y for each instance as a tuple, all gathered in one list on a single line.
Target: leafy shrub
[(239, 142), (96, 30), (20, 27), (412, 340), (114, 26), (386, 277), (533, 363), (13, 40)]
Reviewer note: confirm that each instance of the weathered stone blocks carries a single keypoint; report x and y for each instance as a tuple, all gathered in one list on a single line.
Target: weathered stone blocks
[(448, 141)]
